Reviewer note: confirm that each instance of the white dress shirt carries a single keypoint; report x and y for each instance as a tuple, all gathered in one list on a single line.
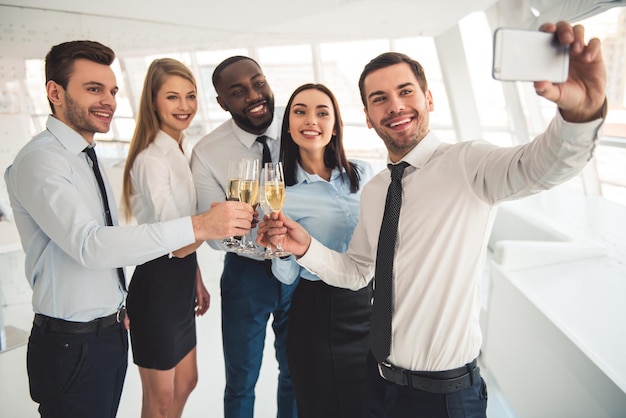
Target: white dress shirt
[(71, 256), (211, 156), (450, 193), (161, 180)]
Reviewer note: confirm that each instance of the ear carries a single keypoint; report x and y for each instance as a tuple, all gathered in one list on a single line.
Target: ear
[(56, 93), (367, 118), (222, 104), (429, 100)]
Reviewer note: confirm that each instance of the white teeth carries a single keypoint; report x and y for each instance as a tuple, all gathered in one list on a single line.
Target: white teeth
[(256, 109), (399, 122), (102, 115), (309, 133), (182, 117)]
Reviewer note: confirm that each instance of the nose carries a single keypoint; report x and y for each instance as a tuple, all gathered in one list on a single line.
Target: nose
[(254, 95), (183, 104), (108, 99), (395, 105)]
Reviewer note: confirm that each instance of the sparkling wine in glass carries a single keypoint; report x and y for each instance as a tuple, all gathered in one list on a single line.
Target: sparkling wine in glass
[(274, 188), (249, 193), (232, 193), (265, 207)]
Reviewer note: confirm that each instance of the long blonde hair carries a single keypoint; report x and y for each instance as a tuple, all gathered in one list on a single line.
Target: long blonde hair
[(148, 123)]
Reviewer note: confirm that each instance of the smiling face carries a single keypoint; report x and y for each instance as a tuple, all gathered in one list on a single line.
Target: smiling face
[(312, 120), (397, 108), (243, 91), (176, 104), (88, 104)]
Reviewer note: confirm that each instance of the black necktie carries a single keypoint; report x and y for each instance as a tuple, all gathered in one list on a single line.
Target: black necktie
[(380, 332), (91, 152), (267, 156)]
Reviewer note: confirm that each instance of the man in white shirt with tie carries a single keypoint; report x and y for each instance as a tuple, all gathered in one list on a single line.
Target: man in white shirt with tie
[(450, 194), (78, 347)]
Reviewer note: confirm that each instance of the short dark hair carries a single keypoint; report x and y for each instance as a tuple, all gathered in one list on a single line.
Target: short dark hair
[(388, 59), (224, 64), (60, 59)]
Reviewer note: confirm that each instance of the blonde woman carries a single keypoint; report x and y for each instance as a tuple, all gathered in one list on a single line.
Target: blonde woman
[(165, 293)]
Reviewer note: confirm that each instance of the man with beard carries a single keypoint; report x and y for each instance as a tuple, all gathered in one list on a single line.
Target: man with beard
[(65, 212), (249, 291), (425, 334)]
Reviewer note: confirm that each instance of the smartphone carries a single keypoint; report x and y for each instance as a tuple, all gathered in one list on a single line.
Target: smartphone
[(528, 55)]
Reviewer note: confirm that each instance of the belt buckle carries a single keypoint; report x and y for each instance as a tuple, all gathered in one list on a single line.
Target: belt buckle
[(380, 370), (121, 315)]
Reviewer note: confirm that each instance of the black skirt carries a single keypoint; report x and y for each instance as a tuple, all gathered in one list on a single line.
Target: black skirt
[(161, 306), (327, 346)]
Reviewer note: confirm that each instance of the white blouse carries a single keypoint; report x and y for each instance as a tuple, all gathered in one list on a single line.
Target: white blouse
[(162, 184)]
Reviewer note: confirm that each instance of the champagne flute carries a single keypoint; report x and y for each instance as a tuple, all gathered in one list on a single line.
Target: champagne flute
[(274, 187), (248, 193), (265, 207), (232, 193)]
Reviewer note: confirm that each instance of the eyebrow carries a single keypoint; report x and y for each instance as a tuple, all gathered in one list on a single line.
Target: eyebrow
[(238, 84), (304, 105), (400, 86), (175, 92), (96, 83)]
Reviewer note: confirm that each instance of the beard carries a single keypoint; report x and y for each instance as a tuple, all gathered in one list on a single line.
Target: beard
[(77, 118), (404, 144), (249, 126)]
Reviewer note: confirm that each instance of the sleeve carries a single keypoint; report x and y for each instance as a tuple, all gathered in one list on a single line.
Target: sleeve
[(286, 270), (208, 188), (553, 157), (55, 203)]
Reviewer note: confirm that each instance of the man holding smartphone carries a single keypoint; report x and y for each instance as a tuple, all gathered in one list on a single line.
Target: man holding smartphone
[(425, 335)]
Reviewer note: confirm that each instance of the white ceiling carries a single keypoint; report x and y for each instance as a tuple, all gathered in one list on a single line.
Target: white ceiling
[(29, 28)]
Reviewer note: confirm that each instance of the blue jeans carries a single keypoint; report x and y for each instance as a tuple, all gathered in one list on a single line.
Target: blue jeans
[(77, 375), (250, 294), (389, 400)]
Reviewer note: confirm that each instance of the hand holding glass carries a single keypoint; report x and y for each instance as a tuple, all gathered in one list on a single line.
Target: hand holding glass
[(273, 186)]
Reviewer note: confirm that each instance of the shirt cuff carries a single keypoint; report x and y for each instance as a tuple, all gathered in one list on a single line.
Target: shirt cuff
[(178, 233)]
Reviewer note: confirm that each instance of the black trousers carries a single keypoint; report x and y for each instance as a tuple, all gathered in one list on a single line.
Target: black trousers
[(77, 375), (327, 346), (389, 400)]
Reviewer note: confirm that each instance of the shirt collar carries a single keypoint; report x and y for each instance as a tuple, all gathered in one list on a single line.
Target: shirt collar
[(425, 149), (69, 138), (303, 177), (166, 143), (272, 132)]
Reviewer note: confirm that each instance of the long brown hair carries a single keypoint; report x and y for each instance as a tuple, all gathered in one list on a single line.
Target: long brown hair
[(334, 153), (148, 123)]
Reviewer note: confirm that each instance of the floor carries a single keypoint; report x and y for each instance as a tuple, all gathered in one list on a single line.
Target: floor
[(205, 401)]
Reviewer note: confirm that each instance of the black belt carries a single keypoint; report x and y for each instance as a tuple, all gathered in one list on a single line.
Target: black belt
[(69, 327), (446, 381)]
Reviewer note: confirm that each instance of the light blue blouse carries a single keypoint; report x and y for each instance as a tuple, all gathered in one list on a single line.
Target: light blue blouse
[(326, 209)]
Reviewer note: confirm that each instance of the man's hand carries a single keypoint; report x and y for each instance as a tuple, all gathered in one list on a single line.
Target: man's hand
[(224, 219), (278, 229), (581, 98)]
